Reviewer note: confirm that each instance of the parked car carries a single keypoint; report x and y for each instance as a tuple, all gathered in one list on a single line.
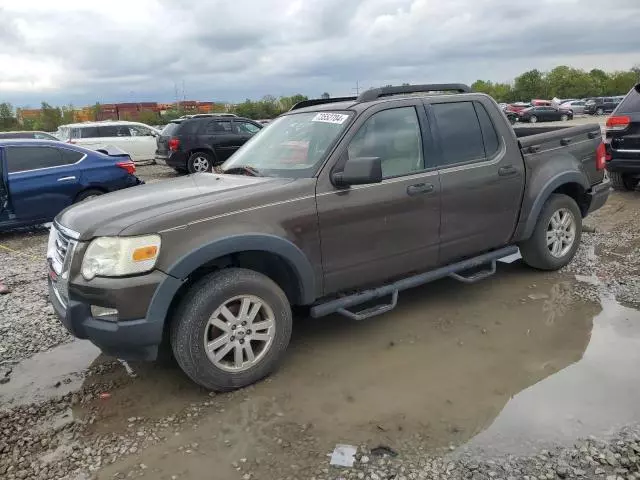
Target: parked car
[(544, 114), (137, 139), (31, 135), (541, 103), (517, 107), (576, 106), (380, 197), (199, 143), (40, 178), (623, 142), (601, 105)]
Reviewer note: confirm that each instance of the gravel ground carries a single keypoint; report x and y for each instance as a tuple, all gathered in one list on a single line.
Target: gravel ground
[(48, 440)]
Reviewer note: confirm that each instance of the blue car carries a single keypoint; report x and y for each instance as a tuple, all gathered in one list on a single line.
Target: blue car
[(40, 178)]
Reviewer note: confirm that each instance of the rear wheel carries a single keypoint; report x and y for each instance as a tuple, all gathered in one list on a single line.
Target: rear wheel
[(88, 194), (200, 162), (599, 111), (556, 236), (564, 118), (622, 182), (533, 119), (231, 329)]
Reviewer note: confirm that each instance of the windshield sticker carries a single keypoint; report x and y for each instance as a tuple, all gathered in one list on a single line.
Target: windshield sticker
[(338, 118)]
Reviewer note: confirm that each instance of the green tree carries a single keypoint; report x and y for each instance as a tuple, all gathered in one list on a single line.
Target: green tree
[(96, 109), (325, 96), (619, 83), (148, 117), (7, 118), (50, 118), (68, 114), (530, 85)]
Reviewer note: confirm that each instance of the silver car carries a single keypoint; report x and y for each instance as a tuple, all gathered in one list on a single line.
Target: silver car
[(576, 106)]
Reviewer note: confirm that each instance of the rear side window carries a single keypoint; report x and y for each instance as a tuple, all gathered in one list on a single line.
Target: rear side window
[(631, 103), (170, 129), (114, 131), (70, 157), (22, 159), (217, 127), (460, 133), (489, 134), (87, 132)]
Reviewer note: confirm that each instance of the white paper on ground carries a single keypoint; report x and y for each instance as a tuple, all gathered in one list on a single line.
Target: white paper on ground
[(343, 455)]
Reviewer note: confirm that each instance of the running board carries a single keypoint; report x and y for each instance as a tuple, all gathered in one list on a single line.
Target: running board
[(342, 305)]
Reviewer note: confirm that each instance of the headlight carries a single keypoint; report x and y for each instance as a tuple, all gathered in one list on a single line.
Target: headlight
[(120, 256)]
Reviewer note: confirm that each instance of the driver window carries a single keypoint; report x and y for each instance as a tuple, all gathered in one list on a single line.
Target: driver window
[(394, 136)]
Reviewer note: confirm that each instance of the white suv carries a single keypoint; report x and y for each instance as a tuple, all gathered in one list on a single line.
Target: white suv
[(137, 139)]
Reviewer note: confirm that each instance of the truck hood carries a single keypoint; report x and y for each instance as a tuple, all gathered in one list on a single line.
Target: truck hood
[(110, 214)]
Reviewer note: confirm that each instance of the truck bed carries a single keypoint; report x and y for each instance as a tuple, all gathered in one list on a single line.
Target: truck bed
[(539, 144)]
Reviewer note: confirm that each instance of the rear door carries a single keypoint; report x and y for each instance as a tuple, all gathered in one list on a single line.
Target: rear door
[(119, 136), (372, 233), (219, 135), (481, 180), (42, 180), (143, 142)]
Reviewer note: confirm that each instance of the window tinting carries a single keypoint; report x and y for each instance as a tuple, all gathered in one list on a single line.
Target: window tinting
[(70, 156), (394, 136), (489, 135), (20, 159), (460, 134), (114, 131), (88, 132), (137, 131), (217, 127), (631, 103), (246, 128)]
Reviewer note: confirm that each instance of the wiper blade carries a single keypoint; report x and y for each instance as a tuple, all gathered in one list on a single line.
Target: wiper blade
[(243, 169)]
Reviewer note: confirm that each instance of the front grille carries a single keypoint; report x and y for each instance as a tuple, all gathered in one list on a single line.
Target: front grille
[(60, 254), (60, 250)]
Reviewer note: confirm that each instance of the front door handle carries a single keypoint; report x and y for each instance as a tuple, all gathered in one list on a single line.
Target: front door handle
[(506, 171), (66, 179), (419, 189)]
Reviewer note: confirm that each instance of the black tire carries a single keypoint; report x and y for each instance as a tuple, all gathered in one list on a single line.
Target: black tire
[(535, 251), (599, 112), (623, 183), (189, 324), (197, 160), (181, 170), (85, 195)]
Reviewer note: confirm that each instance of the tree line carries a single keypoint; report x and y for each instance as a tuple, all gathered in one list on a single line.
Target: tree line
[(561, 82)]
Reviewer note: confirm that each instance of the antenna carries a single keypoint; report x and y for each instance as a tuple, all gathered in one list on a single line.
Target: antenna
[(357, 89)]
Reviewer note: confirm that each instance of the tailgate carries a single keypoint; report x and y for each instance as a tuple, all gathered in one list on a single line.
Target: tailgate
[(580, 142), (162, 145)]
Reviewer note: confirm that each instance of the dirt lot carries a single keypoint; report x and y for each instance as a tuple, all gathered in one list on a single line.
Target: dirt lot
[(453, 380)]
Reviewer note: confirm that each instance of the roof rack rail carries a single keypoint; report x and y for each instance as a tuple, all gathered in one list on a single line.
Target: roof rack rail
[(376, 93), (319, 101)]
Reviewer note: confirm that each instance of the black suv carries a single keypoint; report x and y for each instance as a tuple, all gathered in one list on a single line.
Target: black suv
[(197, 144), (623, 142), (601, 105)]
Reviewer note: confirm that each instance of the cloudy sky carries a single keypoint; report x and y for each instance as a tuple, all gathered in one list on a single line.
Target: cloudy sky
[(83, 51)]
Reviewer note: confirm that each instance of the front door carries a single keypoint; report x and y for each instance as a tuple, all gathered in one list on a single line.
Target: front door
[(42, 181), (373, 233), (119, 136), (482, 184), (245, 130), (218, 134)]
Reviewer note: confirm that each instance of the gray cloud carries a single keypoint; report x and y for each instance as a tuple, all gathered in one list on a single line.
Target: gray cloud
[(233, 50)]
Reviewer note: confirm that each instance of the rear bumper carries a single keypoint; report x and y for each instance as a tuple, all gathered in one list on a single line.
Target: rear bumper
[(174, 160), (623, 162), (599, 194), (130, 339)]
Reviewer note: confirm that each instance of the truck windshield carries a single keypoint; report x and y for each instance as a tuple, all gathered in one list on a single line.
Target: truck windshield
[(293, 146)]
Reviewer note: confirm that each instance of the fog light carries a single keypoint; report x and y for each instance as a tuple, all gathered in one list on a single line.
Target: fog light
[(104, 313)]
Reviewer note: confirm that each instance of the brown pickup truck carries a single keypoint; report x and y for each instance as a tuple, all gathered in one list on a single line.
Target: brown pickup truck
[(337, 204)]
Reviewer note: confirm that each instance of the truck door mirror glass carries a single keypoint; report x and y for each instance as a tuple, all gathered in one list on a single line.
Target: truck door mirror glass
[(359, 171)]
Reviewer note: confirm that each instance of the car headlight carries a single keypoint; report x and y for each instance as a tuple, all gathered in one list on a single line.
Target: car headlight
[(120, 256)]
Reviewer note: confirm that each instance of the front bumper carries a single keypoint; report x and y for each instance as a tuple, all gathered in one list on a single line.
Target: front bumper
[(599, 194), (134, 335)]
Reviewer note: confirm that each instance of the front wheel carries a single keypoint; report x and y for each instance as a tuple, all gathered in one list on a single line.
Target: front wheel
[(556, 236), (599, 112), (231, 329)]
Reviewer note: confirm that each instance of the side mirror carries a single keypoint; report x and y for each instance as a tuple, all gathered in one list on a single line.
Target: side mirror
[(359, 171)]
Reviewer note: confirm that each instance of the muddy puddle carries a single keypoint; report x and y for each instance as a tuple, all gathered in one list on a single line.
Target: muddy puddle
[(503, 366)]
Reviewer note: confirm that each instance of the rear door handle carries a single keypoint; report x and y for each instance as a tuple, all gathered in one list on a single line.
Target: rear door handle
[(66, 179), (419, 189), (506, 171)]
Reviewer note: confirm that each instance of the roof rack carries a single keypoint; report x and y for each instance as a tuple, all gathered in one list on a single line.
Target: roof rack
[(376, 93), (319, 101)]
